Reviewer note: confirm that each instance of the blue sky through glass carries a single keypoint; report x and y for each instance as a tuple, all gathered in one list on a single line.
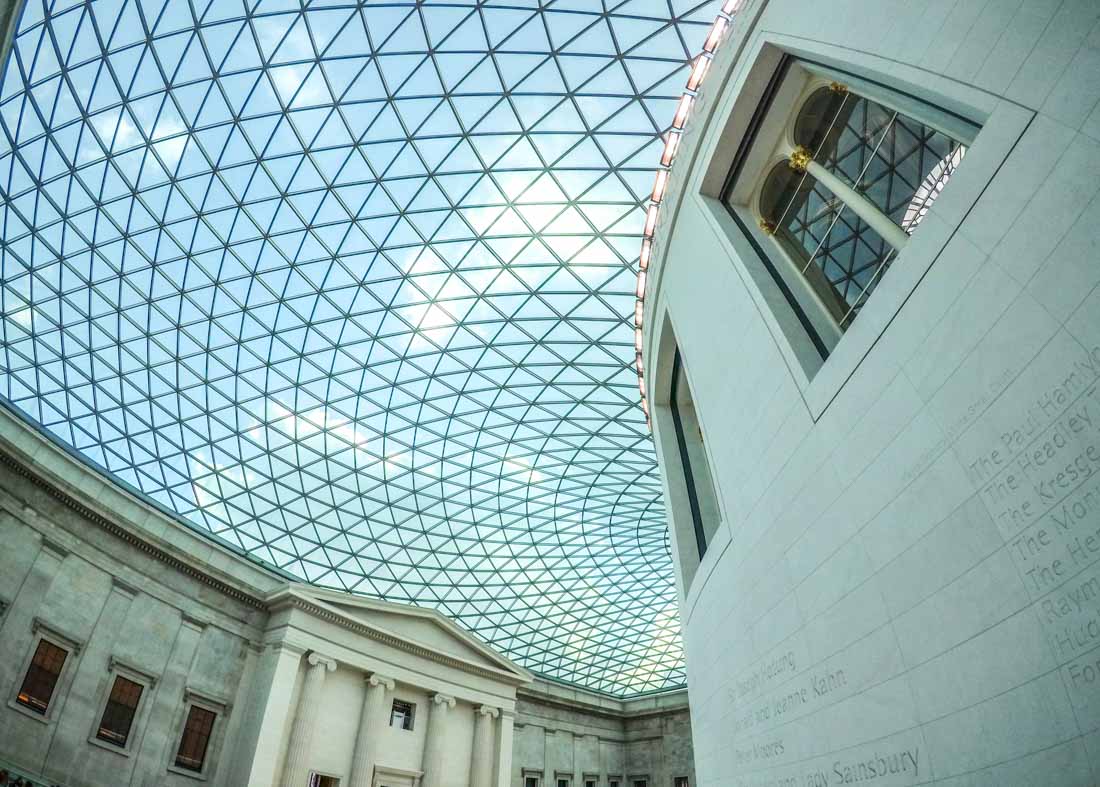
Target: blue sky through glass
[(350, 287)]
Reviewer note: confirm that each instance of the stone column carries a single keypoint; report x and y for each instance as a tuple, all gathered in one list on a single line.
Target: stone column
[(435, 747), (801, 160), (481, 769), (296, 769), (371, 723), (502, 776)]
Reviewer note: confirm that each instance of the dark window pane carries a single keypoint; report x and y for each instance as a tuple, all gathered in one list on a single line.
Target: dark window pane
[(842, 258), (41, 678), (118, 716), (401, 716), (196, 738), (897, 162)]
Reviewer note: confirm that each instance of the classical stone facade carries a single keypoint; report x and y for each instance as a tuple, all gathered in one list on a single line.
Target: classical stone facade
[(300, 681), (563, 733), (899, 582)]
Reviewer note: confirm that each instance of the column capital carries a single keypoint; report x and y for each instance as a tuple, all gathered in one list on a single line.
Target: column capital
[(441, 699), (487, 710), (317, 660), (381, 680)]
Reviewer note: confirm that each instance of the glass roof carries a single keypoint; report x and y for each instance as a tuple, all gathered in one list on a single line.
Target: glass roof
[(350, 286)]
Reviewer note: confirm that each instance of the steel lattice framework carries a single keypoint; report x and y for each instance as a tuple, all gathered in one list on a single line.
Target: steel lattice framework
[(350, 286)]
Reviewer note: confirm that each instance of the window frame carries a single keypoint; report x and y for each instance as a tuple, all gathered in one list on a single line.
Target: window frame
[(773, 126), (221, 708), (409, 720), (319, 775), (42, 631), (591, 780), (528, 773), (723, 121), (118, 668), (563, 776), (699, 480)]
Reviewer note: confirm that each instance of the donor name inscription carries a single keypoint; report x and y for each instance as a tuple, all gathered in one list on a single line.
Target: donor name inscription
[(899, 766), (877, 766)]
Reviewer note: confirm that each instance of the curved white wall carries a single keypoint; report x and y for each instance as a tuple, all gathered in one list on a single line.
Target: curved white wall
[(906, 576)]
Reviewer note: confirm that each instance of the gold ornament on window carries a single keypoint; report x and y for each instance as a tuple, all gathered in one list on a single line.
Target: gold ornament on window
[(800, 159)]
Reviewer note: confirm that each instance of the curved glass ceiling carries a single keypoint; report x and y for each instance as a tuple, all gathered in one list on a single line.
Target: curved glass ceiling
[(350, 287)]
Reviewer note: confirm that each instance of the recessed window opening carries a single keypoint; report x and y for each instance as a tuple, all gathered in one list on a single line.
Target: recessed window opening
[(197, 730), (118, 715), (320, 780), (42, 675), (531, 781), (702, 501), (837, 179), (401, 715)]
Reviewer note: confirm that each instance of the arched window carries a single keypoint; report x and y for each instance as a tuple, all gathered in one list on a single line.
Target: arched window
[(839, 180)]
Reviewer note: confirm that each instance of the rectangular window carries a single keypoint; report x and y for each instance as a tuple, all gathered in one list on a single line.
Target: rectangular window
[(612, 783), (563, 783), (639, 783), (118, 715), (41, 678), (401, 715), (531, 781), (319, 780), (680, 781), (702, 501), (589, 783), (197, 730)]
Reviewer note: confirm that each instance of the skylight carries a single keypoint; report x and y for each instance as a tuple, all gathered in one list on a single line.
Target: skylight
[(351, 288)]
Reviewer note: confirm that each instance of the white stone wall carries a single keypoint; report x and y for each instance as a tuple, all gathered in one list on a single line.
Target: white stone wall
[(129, 584), (899, 577), (155, 620), (125, 585), (569, 731)]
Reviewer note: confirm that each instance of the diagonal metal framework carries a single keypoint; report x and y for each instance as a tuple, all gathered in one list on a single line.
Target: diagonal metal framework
[(350, 286)]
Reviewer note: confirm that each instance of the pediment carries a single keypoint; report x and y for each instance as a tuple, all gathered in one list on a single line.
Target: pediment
[(421, 629)]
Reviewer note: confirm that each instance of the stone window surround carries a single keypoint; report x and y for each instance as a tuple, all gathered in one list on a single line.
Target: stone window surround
[(796, 84), (1002, 122), (221, 707), (116, 668), (594, 778), (820, 380), (528, 773), (566, 776), (719, 124), (44, 631)]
